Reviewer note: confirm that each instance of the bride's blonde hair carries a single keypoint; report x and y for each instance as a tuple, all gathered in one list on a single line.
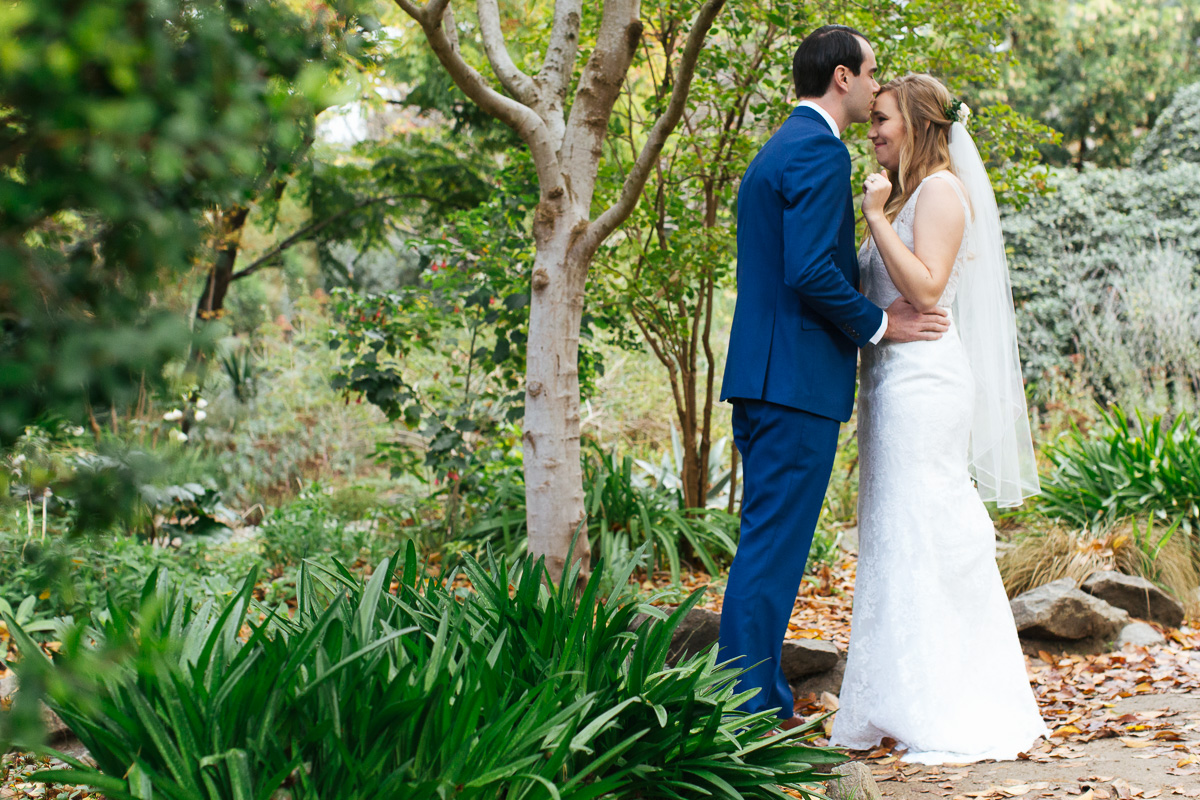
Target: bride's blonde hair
[(922, 100)]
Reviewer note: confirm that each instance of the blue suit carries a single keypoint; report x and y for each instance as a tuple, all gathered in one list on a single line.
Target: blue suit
[(793, 349)]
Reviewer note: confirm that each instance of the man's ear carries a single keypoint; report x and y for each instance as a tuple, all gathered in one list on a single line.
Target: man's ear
[(841, 75)]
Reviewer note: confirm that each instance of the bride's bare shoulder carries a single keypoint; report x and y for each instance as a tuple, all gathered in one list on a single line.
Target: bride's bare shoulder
[(941, 202)]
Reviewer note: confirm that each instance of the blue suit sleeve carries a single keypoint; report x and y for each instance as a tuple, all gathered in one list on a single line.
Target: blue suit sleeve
[(815, 184)]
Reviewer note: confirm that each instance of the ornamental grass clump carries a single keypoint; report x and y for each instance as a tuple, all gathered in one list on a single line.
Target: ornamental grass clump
[(400, 686)]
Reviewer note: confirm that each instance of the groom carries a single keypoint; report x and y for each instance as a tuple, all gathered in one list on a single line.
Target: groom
[(797, 327)]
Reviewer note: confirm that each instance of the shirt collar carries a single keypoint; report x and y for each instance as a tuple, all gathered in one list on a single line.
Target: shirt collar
[(824, 115)]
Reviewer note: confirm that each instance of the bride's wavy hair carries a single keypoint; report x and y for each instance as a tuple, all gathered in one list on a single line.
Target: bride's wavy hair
[(922, 100)]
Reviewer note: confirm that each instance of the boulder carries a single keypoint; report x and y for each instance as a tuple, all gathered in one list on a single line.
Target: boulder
[(1138, 596), (697, 632), (1139, 634), (855, 783), (822, 682), (55, 729), (701, 628), (1060, 611), (803, 657)]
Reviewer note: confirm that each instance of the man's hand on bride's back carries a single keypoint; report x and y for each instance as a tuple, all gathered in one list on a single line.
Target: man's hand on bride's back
[(906, 324)]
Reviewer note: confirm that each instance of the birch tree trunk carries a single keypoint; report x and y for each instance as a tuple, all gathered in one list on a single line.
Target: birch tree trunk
[(566, 151)]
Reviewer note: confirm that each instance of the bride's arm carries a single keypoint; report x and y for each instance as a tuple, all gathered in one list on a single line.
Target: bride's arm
[(919, 276)]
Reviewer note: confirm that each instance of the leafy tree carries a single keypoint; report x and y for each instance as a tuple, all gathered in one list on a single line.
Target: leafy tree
[(1099, 71), (566, 147), (123, 124)]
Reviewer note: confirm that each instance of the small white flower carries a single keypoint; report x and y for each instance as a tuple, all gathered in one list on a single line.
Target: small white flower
[(964, 113), (76, 430), (179, 435), (18, 459), (172, 415), (201, 403), (200, 416)]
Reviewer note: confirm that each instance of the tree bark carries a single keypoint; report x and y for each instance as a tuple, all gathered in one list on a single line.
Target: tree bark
[(553, 474), (212, 299)]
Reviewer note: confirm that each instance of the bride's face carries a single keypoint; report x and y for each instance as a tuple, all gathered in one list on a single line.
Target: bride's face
[(887, 130)]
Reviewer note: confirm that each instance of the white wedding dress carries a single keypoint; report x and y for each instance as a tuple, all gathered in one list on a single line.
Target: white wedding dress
[(934, 660)]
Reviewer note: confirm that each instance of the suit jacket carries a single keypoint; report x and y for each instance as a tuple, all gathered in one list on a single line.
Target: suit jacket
[(799, 319)]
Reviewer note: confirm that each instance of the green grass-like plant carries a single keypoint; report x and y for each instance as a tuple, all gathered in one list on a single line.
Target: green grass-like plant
[(402, 686), (1122, 470)]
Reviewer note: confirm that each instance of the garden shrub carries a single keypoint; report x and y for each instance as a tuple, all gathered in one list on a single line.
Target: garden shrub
[(1138, 332), (1074, 243), (1124, 468), (398, 687), (1175, 136), (623, 512)]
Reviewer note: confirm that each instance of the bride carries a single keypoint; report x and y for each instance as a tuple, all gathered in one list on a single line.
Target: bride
[(934, 660)]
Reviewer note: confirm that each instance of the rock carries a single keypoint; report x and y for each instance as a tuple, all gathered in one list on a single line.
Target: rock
[(803, 657), (697, 632), (821, 683), (1138, 596), (855, 783), (1060, 611), (1139, 634), (8, 684)]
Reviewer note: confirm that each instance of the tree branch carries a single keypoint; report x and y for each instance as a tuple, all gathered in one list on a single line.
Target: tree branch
[(596, 94), (518, 84), (608, 222), (312, 229), (443, 40), (559, 63)]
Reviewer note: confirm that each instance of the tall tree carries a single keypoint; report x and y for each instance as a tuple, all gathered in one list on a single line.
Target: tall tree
[(566, 147), (1100, 71)]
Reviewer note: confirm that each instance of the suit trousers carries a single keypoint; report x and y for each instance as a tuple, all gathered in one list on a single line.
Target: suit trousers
[(787, 456)]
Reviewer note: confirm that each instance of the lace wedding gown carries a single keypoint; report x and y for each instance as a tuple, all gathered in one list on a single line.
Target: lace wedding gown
[(934, 660)]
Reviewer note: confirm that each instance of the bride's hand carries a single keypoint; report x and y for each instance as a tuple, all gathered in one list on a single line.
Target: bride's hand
[(876, 191)]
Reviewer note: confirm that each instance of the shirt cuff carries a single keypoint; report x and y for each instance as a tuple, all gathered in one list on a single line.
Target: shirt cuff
[(882, 330)]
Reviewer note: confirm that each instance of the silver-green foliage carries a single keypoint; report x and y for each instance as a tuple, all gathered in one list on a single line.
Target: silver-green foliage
[(404, 687), (1175, 136), (1090, 230), (1138, 331)]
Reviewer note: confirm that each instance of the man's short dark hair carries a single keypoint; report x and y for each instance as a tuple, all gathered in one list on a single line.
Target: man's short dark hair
[(819, 56)]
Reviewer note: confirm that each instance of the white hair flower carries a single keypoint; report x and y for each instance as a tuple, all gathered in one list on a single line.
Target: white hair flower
[(200, 415), (201, 403), (173, 415), (179, 436)]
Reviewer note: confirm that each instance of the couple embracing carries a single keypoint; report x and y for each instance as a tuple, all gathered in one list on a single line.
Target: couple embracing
[(934, 661)]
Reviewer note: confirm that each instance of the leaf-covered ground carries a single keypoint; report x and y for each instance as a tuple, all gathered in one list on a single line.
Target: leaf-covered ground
[(1124, 725)]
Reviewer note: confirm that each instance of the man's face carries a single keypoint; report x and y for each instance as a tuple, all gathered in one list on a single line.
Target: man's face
[(861, 88)]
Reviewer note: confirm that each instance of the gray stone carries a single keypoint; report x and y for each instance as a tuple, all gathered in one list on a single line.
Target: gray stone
[(830, 681), (803, 657), (55, 729), (8, 684), (1060, 611), (697, 632), (855, 783), (1138, 596), (1139, 634)]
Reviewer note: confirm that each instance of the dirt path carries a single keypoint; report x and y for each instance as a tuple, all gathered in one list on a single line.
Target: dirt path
[(1103, 769)]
